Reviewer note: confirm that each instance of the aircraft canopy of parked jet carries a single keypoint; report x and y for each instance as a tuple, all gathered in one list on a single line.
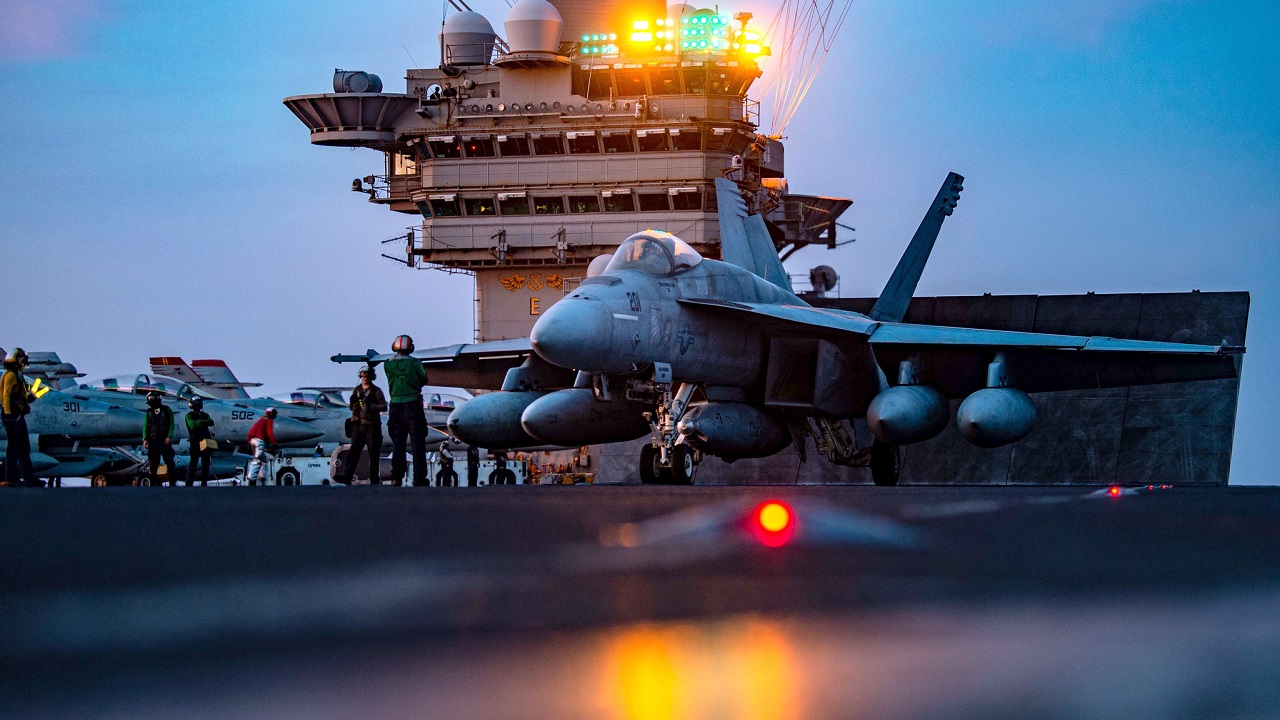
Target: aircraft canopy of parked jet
[(654, 252), (141, 384)]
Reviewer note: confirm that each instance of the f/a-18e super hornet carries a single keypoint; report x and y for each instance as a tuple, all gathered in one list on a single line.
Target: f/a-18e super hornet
[(722, 358)]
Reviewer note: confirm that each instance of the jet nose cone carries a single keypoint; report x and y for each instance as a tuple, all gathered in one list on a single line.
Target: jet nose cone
[(574, 333), (288, 430)]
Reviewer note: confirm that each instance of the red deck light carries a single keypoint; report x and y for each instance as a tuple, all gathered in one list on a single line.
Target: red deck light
[(773, 523)]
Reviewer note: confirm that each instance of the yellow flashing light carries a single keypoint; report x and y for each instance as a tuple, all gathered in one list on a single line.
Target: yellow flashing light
[(640, 25), (641, 37), (752, 49)]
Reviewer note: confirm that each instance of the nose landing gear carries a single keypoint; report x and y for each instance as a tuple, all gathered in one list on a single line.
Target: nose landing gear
[(662, 461)]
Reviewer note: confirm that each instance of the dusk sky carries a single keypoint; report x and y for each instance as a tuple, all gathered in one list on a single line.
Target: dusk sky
[(158, 198)]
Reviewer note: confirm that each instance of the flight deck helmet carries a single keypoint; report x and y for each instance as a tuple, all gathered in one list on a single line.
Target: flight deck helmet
[(196, 403), (271, 413), (153, 398), (403, 344), (373, 374), (16, 359)]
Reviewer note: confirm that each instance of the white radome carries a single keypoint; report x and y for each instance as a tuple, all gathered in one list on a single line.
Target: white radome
[(533, 26)]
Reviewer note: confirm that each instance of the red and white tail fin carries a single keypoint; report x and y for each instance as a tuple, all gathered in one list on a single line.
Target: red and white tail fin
[(176, 368), (218, 380)]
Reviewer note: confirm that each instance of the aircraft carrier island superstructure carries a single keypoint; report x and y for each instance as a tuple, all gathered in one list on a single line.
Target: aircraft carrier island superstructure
[(528, 157)]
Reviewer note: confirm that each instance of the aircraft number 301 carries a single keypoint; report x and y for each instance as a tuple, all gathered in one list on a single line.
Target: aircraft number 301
[(71, 406)]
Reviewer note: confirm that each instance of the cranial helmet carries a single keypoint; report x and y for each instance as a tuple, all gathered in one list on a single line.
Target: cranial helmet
[(17, 357), (196, 403), (370, 372), (271, 412), (402, 344), (153, 398)]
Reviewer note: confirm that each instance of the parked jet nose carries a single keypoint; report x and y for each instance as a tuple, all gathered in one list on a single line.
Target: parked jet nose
[(574, 333), (289, 431)]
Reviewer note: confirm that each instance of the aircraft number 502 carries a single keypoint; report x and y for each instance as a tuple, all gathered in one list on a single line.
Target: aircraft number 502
[(241, 414)]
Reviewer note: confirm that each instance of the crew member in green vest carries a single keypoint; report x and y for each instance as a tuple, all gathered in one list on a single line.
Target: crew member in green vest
[(157, 439), (405, 416), (199, 431)]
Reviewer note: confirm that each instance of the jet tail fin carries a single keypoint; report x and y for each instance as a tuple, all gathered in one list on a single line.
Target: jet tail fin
[(219, 381), (896, 296), (176, 368), (744, 238)]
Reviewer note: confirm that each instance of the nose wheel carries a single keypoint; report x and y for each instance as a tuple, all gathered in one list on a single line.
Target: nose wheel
[(682, 460), (652, 472), (680, 472)]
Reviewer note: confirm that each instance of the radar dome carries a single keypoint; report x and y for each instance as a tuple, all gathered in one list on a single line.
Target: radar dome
[(468, 39), (680, 10), (533, 26)]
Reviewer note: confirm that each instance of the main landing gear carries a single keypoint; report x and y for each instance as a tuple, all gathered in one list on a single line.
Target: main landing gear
[(663, 461), (833, 439)]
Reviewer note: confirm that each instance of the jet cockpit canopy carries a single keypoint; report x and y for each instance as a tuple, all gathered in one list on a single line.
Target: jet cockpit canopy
[(142, 384), (312, 399), (654, 252)]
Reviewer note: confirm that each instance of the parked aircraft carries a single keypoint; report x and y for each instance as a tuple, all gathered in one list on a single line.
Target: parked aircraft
[(71, 431), (722, 358), (324, 408), (232, 420)]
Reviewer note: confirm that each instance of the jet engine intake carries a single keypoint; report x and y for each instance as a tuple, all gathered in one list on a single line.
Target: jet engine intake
[(493, 420), (732, 430), (996, 416), (575, 417), (907, 414)]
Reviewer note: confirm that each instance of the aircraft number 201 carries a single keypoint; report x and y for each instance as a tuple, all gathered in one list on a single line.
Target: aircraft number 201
[(634, 300)]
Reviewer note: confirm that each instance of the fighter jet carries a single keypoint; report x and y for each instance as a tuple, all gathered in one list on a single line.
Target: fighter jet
[(231, 420), (65, 421), (720, 357), (323, 408)]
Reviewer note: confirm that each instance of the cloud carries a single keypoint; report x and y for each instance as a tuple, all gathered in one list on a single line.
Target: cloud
[(1084, 22), (45, 29)]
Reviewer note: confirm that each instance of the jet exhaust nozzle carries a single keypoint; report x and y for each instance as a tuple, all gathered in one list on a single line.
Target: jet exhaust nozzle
[(575, 417), (733, 430), (907, 414), (996, 416)]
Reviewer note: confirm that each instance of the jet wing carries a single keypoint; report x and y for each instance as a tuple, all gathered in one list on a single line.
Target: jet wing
[(474, 365), (955, 359)]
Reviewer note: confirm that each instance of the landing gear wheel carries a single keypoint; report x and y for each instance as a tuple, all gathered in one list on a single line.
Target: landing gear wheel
[(99, 481), (651, 473), (288, 476), (885, 464), (682, 465)]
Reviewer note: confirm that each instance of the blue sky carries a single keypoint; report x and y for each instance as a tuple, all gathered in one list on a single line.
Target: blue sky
[(159, 199)]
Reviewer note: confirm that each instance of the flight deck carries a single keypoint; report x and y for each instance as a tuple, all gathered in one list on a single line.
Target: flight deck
[(639, 602)]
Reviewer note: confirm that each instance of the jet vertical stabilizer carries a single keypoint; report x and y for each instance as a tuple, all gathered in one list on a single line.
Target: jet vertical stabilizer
[(219, 381), (896, 296), (176, 368), (744, 239)]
